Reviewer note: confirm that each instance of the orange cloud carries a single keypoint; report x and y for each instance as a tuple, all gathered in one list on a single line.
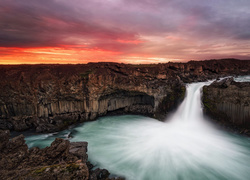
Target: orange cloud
[(129, 41), (50, 55)]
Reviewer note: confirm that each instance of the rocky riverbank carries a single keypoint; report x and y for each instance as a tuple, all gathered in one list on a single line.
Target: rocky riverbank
[(49, 98), (228, 102), (62, 160)]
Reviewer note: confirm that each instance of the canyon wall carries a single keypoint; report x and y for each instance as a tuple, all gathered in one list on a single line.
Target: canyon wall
[(228, 102), (51, 97)]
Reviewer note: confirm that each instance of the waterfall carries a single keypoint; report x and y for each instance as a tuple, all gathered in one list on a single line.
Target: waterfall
[(185, 147), (190, 111)]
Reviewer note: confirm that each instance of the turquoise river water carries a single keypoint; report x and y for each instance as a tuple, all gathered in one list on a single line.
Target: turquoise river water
[(184, 147)]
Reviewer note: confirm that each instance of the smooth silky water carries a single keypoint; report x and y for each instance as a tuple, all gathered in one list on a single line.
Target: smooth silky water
[(185, 147)]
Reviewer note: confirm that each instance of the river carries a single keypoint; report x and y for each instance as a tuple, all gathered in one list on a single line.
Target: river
[(184, 147)]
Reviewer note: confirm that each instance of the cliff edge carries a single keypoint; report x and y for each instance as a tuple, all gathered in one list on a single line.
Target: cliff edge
[(49, 98), (228, 102)]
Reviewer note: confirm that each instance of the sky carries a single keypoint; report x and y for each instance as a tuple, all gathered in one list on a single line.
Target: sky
[(124, 31)]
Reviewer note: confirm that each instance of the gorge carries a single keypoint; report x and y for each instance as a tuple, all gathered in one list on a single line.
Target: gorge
[(49, 98), (185, 146)]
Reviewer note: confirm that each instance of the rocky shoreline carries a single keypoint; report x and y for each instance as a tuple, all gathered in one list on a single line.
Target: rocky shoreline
[(62, 160)]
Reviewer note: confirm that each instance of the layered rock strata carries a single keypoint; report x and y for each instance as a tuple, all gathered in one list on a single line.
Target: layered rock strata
[(229, 102), (51, 97), (62, 160)]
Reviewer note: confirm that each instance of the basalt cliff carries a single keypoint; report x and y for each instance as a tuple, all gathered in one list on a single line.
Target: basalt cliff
[(51, 97), (228, 102)]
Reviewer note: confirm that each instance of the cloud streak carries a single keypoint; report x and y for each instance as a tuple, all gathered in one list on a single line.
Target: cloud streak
[(123, 30)]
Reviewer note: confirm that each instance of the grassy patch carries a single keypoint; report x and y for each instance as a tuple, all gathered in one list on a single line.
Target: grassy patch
[(60, 168), (72, 167), (41, 170), (207, 102), (183, 92)]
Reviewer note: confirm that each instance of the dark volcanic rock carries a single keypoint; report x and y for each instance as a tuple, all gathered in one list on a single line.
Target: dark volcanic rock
[(4, 136), (229, 102), (79, 149), (99, 174), (51, 97), (61, 160)]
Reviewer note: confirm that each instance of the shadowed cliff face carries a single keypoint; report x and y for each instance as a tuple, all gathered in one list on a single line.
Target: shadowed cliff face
[(51, 97), (229, 102)]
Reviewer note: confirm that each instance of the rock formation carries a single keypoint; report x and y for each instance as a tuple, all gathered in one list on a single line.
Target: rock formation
[(51, 97), (229, 102), (62, 160)]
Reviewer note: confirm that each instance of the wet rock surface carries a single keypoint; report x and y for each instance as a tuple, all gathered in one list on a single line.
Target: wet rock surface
[(228, 102), (61, 160)]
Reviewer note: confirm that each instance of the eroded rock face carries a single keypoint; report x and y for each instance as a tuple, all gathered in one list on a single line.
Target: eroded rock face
[(51, 97), (61, 160), (229, 102)]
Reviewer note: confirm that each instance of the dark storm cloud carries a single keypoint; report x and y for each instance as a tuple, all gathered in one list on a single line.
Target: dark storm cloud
[(115, 24), (212, 19), (49, 23), (22, 24), (218, 19)]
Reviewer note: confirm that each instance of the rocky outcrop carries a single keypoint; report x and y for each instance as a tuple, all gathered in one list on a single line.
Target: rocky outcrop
[(62, 160), (209, 69), (51, 97), (229, 103)]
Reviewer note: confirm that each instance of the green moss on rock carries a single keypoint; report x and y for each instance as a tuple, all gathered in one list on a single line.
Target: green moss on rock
[(40, 170), (72, 167), (170, 102)]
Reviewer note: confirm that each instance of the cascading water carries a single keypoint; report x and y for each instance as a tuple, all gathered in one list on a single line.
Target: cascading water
[(184, 147)]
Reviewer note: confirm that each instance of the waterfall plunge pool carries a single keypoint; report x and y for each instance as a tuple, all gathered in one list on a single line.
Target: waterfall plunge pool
[(185, 147)]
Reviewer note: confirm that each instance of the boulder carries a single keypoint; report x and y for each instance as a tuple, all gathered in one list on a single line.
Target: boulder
[(61, 160)]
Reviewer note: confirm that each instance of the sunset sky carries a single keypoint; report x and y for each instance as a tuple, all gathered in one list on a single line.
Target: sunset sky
[(127, 31)]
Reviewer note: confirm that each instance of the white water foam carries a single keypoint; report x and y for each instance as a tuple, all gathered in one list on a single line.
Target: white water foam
[(185, 147), (242, 78)]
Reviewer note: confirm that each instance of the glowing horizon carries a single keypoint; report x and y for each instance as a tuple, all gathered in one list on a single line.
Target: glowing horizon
[(135, 32)]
